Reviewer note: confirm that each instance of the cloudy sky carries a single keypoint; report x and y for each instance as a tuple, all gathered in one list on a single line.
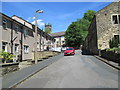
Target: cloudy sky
[(59, 14)]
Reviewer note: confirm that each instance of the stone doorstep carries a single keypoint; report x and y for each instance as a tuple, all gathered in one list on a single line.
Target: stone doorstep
[(113, 64)]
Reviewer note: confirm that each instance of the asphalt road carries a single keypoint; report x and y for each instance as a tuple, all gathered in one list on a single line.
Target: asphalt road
[(78, 71)]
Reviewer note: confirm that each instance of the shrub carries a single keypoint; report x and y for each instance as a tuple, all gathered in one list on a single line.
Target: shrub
[(6, 57), (116, 50), (114, 43)]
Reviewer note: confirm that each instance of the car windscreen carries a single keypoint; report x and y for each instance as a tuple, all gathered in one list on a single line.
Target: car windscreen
[(69, 49)]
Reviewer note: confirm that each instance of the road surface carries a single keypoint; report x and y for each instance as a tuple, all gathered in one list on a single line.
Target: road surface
[(78, 71)]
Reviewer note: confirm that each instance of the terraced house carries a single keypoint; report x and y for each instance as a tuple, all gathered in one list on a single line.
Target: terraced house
[(105, 26), (18, 37)]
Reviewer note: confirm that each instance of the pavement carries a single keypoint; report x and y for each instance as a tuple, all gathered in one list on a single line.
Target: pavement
[(76, 71), (113, 64), (64, 70), (14, 78)]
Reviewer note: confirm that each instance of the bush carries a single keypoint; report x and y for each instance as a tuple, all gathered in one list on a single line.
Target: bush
[(6, 57), (114, 43), (115, 50)]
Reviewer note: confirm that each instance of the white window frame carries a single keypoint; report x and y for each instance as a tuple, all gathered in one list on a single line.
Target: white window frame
[(5, 45), (26, 48), (117, 19), (4, 22), (16, 47)]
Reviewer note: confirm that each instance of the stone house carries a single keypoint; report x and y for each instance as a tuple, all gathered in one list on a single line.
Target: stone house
[(18, 37), (104, 26)]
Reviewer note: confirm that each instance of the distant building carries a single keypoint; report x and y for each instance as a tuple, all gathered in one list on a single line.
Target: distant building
[(105, 26), (59, 39), (48, 28)]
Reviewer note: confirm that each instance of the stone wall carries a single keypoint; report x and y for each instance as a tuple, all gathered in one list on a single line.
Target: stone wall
[(102, 29), (110, 56)]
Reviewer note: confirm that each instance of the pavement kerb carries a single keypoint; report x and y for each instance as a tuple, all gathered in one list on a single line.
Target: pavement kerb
[(34, 72), (107, 62)]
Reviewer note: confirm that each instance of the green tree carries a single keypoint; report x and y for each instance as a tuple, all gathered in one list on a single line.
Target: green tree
[(78, 30)]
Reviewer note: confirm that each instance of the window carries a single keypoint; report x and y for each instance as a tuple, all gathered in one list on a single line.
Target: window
[(116, 19), (63, 41), (4, 24), (4, 46), (16, 28), (119, 18), (26, 49), (26, 32), (16, 47), (116, 37)]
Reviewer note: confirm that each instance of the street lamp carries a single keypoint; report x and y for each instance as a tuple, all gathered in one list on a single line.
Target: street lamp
[(38, 11)]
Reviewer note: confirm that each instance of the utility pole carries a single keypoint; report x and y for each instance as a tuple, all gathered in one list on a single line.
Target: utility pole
[(38, 11)]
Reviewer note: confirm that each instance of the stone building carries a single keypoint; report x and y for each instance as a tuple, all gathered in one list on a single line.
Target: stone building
[(48, 28), (105, 26), (18, 37)]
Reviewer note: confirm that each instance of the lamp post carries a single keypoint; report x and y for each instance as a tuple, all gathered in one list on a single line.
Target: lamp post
[(35, 57)]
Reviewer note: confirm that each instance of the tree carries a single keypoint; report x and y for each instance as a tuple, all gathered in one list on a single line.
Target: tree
[(78, 30)]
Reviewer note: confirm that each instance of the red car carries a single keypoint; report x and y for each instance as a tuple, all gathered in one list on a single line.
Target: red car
[(69, 51)]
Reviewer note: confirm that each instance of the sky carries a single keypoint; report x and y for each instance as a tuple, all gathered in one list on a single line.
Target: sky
[(59, 14)]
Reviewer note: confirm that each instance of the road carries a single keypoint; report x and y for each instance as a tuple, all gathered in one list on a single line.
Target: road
[(78, 71)]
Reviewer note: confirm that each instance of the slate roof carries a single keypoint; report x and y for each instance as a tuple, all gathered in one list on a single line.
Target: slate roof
[(58, 34)]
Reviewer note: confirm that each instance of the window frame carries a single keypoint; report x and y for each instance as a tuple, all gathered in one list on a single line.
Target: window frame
[(16, 47), (5, 45), (118, 19), (16, 28), (26, 32), (4, 23), (26, 49)]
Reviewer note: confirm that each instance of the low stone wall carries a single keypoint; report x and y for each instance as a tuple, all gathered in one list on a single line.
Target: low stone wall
[(45, 54), (9, 67), (110, 56)]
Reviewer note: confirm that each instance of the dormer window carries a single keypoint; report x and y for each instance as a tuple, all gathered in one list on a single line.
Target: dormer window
[(4, 23)]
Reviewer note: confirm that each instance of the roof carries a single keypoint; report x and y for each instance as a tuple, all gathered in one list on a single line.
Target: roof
[(21, 19), (57, 34)]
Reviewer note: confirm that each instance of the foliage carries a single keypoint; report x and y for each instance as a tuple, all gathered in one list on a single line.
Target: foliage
[(114, 43), (78, 30), (6, 57), (116, 50)]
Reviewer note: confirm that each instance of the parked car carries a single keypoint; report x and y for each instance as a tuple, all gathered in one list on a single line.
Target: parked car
[(69, 51)]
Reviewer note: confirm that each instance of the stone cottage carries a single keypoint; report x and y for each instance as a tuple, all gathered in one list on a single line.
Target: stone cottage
[(104, 26)]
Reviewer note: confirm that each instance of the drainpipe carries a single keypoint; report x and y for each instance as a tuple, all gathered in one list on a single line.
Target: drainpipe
[(21, 42), (12, 37)]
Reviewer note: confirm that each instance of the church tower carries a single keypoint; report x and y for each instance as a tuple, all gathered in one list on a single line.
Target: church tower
[(48, 28)]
